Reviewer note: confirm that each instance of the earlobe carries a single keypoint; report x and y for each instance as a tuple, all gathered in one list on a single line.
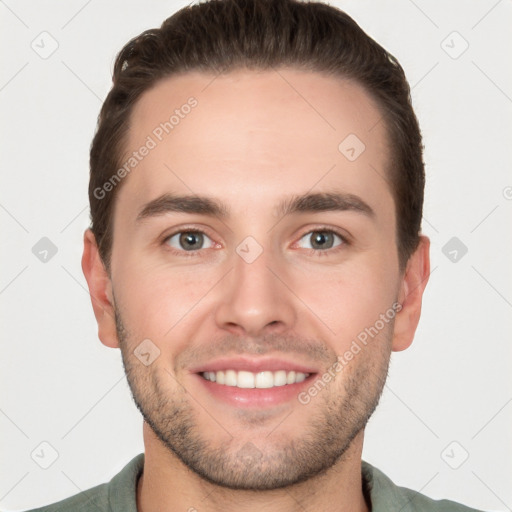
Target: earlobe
[(100, 291), (414, 281)]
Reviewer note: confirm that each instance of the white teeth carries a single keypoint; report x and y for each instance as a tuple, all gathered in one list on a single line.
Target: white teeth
[(300, 377), (245, 380), (230, 378), (280, 378), (261, 380), (264, 380)]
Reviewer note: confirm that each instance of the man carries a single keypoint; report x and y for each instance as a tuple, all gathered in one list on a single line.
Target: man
[(255, 252)]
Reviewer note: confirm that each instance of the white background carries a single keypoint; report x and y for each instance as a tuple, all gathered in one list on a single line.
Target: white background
[(61, 385)]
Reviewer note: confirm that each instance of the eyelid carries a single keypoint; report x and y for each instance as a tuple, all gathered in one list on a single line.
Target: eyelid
[(187, 229), (345, 237)]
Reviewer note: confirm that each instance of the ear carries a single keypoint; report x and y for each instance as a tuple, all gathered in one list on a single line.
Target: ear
[(414, 281), (100, 290)]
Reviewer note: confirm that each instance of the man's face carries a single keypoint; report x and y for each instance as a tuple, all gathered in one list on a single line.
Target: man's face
[(260, 295)]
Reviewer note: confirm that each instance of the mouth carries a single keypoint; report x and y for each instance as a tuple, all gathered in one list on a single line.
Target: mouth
[(249, 380), (258, 383)]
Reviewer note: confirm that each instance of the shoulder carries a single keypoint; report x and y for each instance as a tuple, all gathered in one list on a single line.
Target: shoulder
[(95, 498), (385, 495), (118, 494)]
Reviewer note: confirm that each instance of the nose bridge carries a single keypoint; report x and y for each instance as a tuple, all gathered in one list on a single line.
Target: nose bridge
[(251, 268), (253, 299)]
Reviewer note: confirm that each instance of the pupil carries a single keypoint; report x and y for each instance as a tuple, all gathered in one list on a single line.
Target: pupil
[(322, 240), (191, 240)]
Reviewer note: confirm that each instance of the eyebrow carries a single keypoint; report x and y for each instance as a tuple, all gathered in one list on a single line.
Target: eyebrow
[(305, 203), (324, 202)]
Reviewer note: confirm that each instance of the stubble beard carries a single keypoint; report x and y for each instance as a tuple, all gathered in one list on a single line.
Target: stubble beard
[(338, 416)]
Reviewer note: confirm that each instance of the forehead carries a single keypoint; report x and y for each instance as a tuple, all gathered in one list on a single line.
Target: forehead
[(248, 135)]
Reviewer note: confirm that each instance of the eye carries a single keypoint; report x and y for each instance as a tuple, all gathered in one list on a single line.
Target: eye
[(189, 241), (321, 240)]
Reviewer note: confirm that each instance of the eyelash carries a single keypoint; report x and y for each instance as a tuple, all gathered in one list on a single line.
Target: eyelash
[(315, 252), (326, 252)]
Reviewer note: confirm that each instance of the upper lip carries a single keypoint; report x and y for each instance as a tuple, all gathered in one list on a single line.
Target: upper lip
[(254, 365)]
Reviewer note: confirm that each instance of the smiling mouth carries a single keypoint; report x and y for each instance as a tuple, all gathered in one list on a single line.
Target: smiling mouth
[(260, 380)]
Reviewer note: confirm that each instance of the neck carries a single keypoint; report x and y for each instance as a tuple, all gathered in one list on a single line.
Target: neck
[(167, 484)]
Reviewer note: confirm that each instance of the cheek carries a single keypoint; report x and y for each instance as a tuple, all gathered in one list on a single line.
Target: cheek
[(157, 300), (348, 299)]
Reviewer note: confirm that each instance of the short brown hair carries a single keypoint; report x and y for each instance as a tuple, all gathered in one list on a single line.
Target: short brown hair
[(224, 35)]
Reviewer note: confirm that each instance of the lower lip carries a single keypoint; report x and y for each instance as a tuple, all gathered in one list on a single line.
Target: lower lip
[(255, 397)]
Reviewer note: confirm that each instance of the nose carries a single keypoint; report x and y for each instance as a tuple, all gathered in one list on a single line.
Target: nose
[(254, 299)]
